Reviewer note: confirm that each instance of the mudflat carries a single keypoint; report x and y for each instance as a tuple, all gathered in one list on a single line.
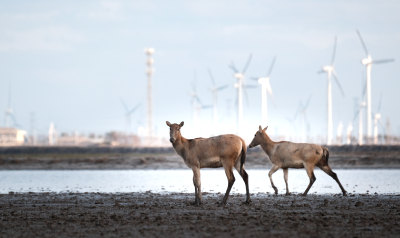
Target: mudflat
[(173, 215)]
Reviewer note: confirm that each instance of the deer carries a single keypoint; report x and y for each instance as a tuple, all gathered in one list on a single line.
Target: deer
[(225, 151), (285, 155)]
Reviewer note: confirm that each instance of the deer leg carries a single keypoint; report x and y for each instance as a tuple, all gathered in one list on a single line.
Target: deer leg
[(285, 176), (245, 178), (310, 173), (231, 180), (272, 171), (197, 185), (329, 171)]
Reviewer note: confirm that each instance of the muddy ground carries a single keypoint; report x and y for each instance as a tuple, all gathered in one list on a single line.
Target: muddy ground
[(166, 158), (173, 215)]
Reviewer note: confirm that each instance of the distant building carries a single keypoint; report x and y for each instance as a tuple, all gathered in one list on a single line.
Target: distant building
[(12, 137), (78, 140)]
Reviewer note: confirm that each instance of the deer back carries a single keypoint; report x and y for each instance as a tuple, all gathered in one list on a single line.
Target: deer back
[(295, 155)]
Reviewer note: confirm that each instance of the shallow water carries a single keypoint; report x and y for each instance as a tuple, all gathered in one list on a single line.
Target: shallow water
[(379, 181)]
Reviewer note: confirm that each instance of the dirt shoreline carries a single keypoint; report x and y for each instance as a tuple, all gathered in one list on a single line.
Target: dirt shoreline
[(57, 158), (172, 215)]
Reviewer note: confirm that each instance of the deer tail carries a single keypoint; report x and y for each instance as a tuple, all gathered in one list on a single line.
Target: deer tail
[(325, 154), (242, 156)]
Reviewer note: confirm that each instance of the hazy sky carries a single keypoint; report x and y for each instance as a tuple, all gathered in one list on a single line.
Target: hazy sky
[(70, 62)]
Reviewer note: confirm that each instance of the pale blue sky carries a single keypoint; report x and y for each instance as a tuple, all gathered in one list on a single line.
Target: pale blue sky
[(70, 62)]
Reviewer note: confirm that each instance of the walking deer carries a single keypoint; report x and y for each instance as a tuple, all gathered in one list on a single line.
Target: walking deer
[(226, 151), (287, 154)]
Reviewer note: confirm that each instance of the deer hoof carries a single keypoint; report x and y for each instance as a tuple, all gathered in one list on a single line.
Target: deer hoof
[(196, 203), (247, 202), (221, 204)]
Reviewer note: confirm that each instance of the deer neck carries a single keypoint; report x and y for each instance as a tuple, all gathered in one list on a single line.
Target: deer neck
[(180, 146), (268, 145)]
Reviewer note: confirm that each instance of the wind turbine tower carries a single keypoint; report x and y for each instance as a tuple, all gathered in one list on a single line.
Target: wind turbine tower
[(330, 71), (265, 89), (9, 113), (239, 85), (150, 61), (367, 61)]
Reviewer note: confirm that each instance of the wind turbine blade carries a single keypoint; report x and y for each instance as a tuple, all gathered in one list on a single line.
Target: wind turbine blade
[(382, 61), (321, 71), (356, 114), (233, 67), (247, 64), (363, 92), (134, 109), (334, 51), (197, 99), (221, 87), (338, 83), (307, 103), (212, 77), (362, 42), (299, 108), (271, 67), (124, 105)]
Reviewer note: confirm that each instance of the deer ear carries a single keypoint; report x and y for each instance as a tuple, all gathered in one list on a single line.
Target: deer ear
[(181, 124), (265, 128), (259, 128), (168, 123)]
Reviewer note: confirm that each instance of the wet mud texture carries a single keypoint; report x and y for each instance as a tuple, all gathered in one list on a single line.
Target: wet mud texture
[(172, 215)]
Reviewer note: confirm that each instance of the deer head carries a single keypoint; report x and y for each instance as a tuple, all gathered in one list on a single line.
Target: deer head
[(258, 137), (174, 131)]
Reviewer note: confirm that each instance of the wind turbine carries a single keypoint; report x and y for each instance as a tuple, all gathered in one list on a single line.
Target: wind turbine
[(128, 113), (367, 61), (197, 105), (330, 70), (265, 89), (214, 90), (240, 85)]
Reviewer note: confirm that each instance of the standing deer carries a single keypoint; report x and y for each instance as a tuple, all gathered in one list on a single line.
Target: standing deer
[(287, 154), (214, 152)]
